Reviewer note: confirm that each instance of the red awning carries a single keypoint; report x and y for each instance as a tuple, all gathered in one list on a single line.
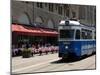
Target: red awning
[(26, 30)]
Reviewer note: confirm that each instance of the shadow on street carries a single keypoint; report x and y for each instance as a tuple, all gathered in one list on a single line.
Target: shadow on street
[(70, 60)]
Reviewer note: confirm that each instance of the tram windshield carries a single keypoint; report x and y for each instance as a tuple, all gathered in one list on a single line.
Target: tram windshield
[(66, 34)]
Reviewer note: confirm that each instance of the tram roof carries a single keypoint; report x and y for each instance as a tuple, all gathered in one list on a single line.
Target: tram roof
[(74, 23), (70, 22)]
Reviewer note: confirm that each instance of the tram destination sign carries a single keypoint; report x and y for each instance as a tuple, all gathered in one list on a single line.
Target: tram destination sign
[(64, 27)]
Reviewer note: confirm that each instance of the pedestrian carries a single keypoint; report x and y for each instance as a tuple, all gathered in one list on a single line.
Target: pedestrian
[(15, 51), (40, 50), (49, 49), (56, 49), (19, 52), (52, 49), (46, 50), (33, 50)]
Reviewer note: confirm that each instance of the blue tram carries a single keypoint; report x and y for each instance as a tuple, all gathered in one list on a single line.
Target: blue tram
[(76, 39)]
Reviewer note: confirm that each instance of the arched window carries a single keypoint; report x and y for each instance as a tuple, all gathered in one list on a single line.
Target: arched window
[(39, 20), (23, 19), (50, 24)]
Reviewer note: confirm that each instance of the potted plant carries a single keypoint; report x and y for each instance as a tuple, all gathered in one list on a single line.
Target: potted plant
[(26, 53)]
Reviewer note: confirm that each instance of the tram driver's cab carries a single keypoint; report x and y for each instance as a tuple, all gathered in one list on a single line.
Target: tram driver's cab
[(69, 30)]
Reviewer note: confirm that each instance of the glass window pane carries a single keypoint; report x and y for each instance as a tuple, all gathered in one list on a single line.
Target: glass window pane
[(67, 34), (77, 34)]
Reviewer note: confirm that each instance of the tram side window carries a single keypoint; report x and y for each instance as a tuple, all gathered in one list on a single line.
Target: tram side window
[(83, 35), (77, 36), (89, 35), (86, 34)]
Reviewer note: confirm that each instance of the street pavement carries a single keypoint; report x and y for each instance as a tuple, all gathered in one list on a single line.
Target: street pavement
[(50, 63)]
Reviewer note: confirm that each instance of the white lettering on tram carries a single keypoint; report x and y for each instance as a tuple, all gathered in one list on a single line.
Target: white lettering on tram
[(87, 47)]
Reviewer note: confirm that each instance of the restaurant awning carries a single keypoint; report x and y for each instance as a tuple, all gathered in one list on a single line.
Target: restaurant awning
[(33, 31)]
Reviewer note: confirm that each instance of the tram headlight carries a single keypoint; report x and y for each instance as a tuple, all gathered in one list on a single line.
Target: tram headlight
[(66, 47)]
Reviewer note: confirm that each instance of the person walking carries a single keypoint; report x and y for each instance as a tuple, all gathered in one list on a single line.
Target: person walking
[(33, 50), (46, 49), (40, 50)]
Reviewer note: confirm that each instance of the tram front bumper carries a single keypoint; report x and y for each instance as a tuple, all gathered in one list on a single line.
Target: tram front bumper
[(63, 55)]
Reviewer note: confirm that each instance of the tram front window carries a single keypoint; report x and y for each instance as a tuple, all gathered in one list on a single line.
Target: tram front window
[(66, 34)]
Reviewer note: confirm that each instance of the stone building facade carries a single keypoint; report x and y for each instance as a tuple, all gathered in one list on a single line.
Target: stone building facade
[(49, 14)]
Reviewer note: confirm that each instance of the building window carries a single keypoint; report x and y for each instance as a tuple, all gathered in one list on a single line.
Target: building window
[(56, 7), (39, 5), (51, 7), (82, 12), (74, 14), (67, 13), (66, 10), (45, 4), (60, 10), (27, 2)]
